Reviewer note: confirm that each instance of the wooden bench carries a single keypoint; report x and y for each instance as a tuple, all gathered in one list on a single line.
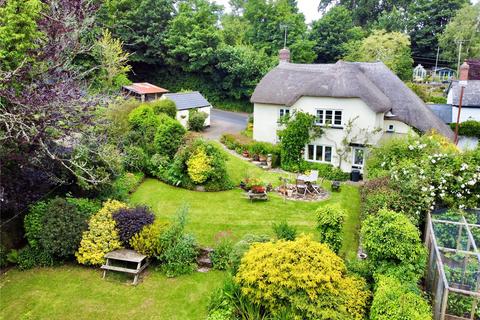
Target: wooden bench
[(129, 256), (256, 196)]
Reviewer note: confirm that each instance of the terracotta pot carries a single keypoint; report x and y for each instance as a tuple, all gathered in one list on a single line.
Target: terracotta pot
[(245, 154), (258, 189), (262, 159)]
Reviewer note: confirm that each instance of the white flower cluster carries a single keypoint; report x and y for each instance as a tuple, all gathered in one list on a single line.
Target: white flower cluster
[(416, 146)]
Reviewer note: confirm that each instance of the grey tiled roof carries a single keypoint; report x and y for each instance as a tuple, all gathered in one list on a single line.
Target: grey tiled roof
[(471, 93), (374, 83), (443, 111), (188, 100)]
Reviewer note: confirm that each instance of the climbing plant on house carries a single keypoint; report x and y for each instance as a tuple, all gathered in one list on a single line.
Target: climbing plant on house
[(299, 129)]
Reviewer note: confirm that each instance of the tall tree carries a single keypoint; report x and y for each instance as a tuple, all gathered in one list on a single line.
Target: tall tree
[(267, 20), (19, 35), (465, 27), (365, 12), (427, 20), (394, 20), (193, 35), (332, 32), (392, 48), (140, 24)]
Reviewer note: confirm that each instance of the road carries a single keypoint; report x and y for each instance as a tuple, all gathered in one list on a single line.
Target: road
[(225, 122)]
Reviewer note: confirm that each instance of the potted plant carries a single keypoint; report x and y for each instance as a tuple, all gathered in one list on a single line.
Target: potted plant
[(245, 154), (256, 185)]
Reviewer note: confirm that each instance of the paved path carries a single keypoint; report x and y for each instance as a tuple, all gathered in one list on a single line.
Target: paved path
[(225, 122)]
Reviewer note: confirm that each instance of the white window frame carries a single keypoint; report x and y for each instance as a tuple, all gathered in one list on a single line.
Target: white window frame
[(315, 146), (358, 166), (323, 121), (390, 128), (283, 111)]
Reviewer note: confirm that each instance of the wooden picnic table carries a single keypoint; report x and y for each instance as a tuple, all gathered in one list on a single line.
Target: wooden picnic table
[(129, 256), (256, 196)]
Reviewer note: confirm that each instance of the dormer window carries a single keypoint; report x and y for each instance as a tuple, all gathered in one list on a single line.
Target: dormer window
[(328, 117)]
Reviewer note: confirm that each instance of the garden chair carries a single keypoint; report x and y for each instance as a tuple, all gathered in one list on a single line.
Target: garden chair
[(301, 188)]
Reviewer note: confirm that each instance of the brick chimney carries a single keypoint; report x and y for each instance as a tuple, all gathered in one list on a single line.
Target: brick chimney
[(464, 71), (284, 55)]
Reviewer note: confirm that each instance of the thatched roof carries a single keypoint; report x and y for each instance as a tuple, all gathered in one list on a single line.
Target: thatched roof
[(374, 83)]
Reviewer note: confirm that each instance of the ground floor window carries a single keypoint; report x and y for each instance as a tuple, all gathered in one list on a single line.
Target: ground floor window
[(319, 153), (358, 157)]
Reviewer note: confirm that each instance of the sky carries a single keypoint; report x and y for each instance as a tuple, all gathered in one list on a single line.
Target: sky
[(307, 7)]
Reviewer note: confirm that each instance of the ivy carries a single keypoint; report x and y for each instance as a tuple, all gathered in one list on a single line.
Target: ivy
[(299, 129)]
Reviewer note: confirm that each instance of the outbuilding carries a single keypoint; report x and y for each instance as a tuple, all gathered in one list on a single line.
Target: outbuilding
[(144, 91), (187, 101)]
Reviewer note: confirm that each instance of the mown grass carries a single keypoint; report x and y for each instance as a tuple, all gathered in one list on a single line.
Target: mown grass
[(75, 292), (214, 212)]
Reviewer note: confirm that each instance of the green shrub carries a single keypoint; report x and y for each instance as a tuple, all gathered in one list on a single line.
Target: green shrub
[(169, 136), (101, 237), (165, 106), (135, 159), (222, 251), (327, 171), (62, 229), (123, 186), (178, 250), (196, 120), (158, 166), (12, 256), (304, 277), (242, 246), (299, 130), (214, 178), (29, 258), (143, 124), (284, 231), (147, 241), (381, 198), (330, 219), (33, 222), (469, 128), (393, 301), (437, 99), (118, 114), (390, 238)]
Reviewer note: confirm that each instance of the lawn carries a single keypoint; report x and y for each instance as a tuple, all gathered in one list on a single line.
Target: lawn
[(76, 292), (213, 212)]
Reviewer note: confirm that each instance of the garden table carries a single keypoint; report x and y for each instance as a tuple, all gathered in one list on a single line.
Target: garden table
[(128, 256), (256, 196)]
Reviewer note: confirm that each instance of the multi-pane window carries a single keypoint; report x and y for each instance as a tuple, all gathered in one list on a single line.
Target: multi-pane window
[(284, 112), (319, 153), (329, 117)]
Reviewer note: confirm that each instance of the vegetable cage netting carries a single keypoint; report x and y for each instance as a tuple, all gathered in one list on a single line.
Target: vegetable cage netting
[(453, 274)]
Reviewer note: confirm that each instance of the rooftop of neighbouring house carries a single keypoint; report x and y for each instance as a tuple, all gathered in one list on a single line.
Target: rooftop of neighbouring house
[(443, 111), (374, 83), (145, 88), (188, 100), (471, 93)]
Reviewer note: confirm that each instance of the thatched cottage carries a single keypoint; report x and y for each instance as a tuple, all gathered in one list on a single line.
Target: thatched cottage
[(368, 96)]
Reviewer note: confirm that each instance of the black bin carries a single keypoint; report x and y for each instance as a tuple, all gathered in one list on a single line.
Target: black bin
[(355, 175)]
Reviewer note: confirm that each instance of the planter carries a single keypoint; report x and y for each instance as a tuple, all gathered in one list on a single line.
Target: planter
[(245, 154), (262, 159), (255, 157), (258, 189)]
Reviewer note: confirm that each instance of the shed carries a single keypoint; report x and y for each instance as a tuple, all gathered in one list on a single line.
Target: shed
[(187, 101), (470, 101), (144, 91)]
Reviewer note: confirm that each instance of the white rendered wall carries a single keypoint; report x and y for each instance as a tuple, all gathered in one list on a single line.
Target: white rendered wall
[(466, 114), (266, 123), (182, 117)]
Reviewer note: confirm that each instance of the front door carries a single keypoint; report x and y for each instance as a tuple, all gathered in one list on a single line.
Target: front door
[(358, 157)]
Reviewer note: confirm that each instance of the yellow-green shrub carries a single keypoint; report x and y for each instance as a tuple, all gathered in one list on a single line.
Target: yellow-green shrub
[(101, 237), (303, 276), (199, 166), (147, 241)]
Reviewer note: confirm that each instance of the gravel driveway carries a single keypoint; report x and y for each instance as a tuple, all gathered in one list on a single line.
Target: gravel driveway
[(225, 122)]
